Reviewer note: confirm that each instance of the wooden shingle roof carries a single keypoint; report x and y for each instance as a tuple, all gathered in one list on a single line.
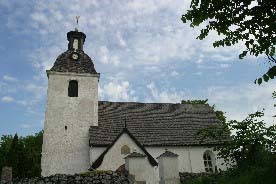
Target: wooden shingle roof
[(154, 124), (65, 63)]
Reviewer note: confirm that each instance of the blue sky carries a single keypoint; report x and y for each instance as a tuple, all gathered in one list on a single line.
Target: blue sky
[(141, 48)]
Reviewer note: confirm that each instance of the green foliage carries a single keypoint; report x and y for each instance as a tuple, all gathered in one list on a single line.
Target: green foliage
[(22, 153), (250, 141), (215, 131), (248, 21), (5, 144), (33, 149), (270, 74), (252, 148), (16, 156), (264, 174)]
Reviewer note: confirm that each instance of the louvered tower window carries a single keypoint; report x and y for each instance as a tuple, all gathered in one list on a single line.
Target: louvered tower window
[(73, 88)]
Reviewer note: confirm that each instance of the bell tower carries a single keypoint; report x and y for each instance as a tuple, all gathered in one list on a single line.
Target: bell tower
[(72, 107)]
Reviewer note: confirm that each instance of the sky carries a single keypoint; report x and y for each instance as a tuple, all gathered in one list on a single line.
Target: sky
[(141, 48)]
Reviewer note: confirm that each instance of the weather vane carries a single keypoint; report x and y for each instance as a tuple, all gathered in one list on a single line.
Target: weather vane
[(77, 18)]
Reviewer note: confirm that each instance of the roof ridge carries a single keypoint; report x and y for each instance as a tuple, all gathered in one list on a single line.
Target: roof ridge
[(166, 103)]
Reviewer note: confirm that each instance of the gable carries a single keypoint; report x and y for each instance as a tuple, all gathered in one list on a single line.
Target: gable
[(112, 156)]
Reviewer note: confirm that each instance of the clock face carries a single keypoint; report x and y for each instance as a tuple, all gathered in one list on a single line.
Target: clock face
[(75, 56)]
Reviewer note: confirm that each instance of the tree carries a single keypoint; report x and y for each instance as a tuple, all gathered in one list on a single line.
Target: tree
[(249, 21), (22, 153), (5, 144), (251, 148), (251, 137), (15, 157), (33, 149)]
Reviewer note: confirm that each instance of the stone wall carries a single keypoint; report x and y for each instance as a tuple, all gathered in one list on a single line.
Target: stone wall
[(107, 177), (6, 175), (186, 177)]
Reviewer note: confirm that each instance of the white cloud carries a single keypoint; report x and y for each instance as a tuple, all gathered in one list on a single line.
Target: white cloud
[(7, 99), (28, 93), (117, 91), (121, 41), (174, 73), (25, 126), (137, 33), (9, 78), (198, 73), (225, 65), (106, 58), (140, 38), (165, 96), (239, 101)]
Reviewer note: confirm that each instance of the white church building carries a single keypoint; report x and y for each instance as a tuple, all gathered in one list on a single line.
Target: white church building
[(82, 133)]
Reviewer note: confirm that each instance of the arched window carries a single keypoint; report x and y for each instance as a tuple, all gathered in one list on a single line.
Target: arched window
[(73, 88), (125, 150), (209, 161)]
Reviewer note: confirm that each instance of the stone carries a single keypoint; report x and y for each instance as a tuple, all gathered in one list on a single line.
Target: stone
[(109, 177), (6, 175)]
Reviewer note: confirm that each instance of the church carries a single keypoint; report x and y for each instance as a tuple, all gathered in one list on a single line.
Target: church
[(82, 133)]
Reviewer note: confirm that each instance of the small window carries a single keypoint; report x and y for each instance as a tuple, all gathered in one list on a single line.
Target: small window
[(73, 88), (125, 150), (65, 127), (209, 161)]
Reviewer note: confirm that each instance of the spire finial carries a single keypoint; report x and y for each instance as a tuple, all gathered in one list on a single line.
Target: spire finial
[(77, 18)]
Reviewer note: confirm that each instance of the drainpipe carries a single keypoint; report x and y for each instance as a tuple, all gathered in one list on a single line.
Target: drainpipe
[(189, 157)]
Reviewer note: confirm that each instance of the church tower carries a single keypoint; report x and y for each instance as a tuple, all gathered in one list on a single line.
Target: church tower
[(72, 107)]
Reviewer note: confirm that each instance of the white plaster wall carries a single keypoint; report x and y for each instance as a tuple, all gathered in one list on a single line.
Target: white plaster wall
[(67, 151), (190, 159), (168, 168), (142, 169), (95, 152), (114, 159)]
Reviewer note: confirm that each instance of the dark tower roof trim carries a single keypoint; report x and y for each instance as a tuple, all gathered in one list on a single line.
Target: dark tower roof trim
[(72, 73), (76, 34)]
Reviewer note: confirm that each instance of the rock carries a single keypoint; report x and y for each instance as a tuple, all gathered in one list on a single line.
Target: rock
[(108, 177)]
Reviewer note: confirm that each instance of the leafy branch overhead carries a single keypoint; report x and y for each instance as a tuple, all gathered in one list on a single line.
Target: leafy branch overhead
[(248, 21)]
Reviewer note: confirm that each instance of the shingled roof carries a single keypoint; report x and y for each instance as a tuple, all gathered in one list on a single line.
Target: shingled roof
[(65, 63), (154, 124)]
